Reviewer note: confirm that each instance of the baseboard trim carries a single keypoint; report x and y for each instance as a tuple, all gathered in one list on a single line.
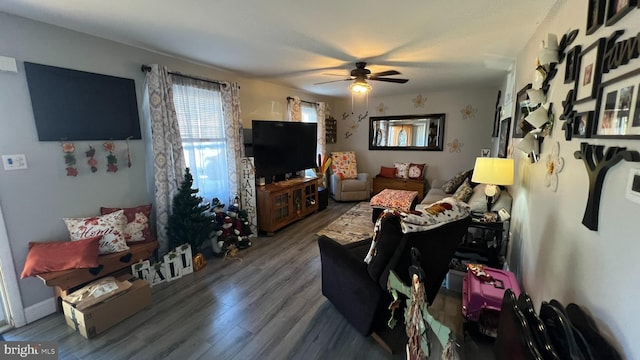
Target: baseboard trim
[(40, 310)]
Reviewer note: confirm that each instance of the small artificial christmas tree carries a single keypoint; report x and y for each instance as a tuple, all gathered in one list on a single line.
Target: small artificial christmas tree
[(189, 222)]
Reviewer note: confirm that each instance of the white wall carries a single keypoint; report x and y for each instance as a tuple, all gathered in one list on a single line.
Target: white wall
[(554, 254), (35, 200), (474, 132)]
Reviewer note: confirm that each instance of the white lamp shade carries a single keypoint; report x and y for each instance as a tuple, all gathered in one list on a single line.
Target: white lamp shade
[(538, 117), (537, 96), (493, 171)]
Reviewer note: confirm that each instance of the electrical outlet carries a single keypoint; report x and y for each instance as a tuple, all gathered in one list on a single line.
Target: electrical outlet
[(14, 162)]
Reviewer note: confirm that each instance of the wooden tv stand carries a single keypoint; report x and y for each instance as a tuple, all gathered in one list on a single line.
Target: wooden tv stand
[(284, 202)]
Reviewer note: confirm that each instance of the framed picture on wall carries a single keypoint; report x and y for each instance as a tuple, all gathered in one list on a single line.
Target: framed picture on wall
[(589, 71), (496, 116), (523, 108), (618, 108), (582, 123), (617, 9), (595, 15), (504, 137), (571, 67)]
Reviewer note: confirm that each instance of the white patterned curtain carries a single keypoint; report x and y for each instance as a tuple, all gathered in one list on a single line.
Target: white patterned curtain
[(168, 157), (321, 110), (233, 131), (293, 108)]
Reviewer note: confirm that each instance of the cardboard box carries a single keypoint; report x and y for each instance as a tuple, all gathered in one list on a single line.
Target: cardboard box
[(100, 317)]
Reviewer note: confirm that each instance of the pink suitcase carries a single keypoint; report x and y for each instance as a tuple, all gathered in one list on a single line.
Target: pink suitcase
[(480, 297)]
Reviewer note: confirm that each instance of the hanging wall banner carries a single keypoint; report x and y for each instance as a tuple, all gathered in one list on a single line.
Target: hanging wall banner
[(248, 197)]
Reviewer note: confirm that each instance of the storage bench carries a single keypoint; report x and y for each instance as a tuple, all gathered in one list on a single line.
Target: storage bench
[(65, 281)]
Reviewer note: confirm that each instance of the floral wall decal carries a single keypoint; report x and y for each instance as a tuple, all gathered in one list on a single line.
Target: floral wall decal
[(455, 146), (419, 101), (468, 112), (555, 164), (382, 109)]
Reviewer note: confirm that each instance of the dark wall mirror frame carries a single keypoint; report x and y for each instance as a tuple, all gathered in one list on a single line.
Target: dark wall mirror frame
[(407, 132)]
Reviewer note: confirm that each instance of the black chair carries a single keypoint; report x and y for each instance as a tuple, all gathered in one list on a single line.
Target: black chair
[(515, 340), (542, 340), (359, 290), (599, 346)]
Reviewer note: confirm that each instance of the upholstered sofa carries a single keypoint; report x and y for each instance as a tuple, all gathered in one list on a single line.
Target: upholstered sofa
[(477, 201), (359, 290)]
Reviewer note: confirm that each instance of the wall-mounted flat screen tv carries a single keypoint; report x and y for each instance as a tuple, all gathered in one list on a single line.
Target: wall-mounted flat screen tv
[(77, 105), (281, 147)]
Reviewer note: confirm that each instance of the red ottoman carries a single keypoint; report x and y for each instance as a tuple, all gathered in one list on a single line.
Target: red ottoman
[(401, 200)]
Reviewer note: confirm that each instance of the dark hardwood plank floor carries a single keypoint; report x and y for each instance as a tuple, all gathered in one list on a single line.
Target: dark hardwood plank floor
[(269, 305)]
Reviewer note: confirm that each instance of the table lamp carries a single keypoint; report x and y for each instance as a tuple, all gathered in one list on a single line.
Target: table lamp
[(492, 172)]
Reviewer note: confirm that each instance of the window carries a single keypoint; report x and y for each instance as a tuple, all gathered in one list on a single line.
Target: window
[(199, 109)]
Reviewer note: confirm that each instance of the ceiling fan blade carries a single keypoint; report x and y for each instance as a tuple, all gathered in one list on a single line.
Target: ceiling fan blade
[(326, 82), (399, 81), (341, 75), (384, 73)]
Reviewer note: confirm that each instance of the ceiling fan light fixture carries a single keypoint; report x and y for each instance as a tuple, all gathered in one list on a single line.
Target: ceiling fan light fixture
[(360, 87)]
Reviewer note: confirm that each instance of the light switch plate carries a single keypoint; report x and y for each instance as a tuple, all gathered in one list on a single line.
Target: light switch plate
[(14, 162)]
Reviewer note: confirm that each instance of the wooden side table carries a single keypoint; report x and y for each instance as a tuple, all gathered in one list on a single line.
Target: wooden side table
[(380, 183)]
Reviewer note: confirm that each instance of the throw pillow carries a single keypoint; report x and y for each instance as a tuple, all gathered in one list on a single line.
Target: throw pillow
[(416, 171), (61, 255), (464, 191), (402, 170), (137, 228), (387, 172), (110, 226), (344, 164), (452, 185)]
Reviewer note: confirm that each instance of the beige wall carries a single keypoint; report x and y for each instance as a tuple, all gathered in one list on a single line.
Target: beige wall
[(474, 133), (554, 254), (35, 200)]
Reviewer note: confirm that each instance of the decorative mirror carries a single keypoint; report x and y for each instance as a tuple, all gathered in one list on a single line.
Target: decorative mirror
[(407, 132)]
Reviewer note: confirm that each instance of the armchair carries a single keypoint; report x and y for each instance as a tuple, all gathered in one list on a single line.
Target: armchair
[(345, 182), (359, 290), (350, 189)]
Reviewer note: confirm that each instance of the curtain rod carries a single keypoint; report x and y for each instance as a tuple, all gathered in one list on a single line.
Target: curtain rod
[(147, 68), (304, 101)]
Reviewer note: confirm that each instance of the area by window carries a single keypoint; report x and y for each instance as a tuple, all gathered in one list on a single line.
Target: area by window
[(199, 109)]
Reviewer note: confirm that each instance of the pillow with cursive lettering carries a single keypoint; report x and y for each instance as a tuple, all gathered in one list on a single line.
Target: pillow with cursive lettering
[(110, 227)]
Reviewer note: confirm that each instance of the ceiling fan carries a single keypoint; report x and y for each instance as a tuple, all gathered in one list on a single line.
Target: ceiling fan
[(361, 74)]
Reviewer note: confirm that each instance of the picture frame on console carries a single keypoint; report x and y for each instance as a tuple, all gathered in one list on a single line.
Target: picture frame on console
[(589, 72), (618, 108)]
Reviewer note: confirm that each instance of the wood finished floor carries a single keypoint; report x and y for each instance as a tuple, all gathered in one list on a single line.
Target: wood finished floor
[(268, 306)]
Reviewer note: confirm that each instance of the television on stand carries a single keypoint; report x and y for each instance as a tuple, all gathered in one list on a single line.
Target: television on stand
[(283, 147)]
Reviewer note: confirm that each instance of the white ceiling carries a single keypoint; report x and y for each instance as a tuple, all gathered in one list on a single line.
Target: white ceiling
[(434, 43)]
